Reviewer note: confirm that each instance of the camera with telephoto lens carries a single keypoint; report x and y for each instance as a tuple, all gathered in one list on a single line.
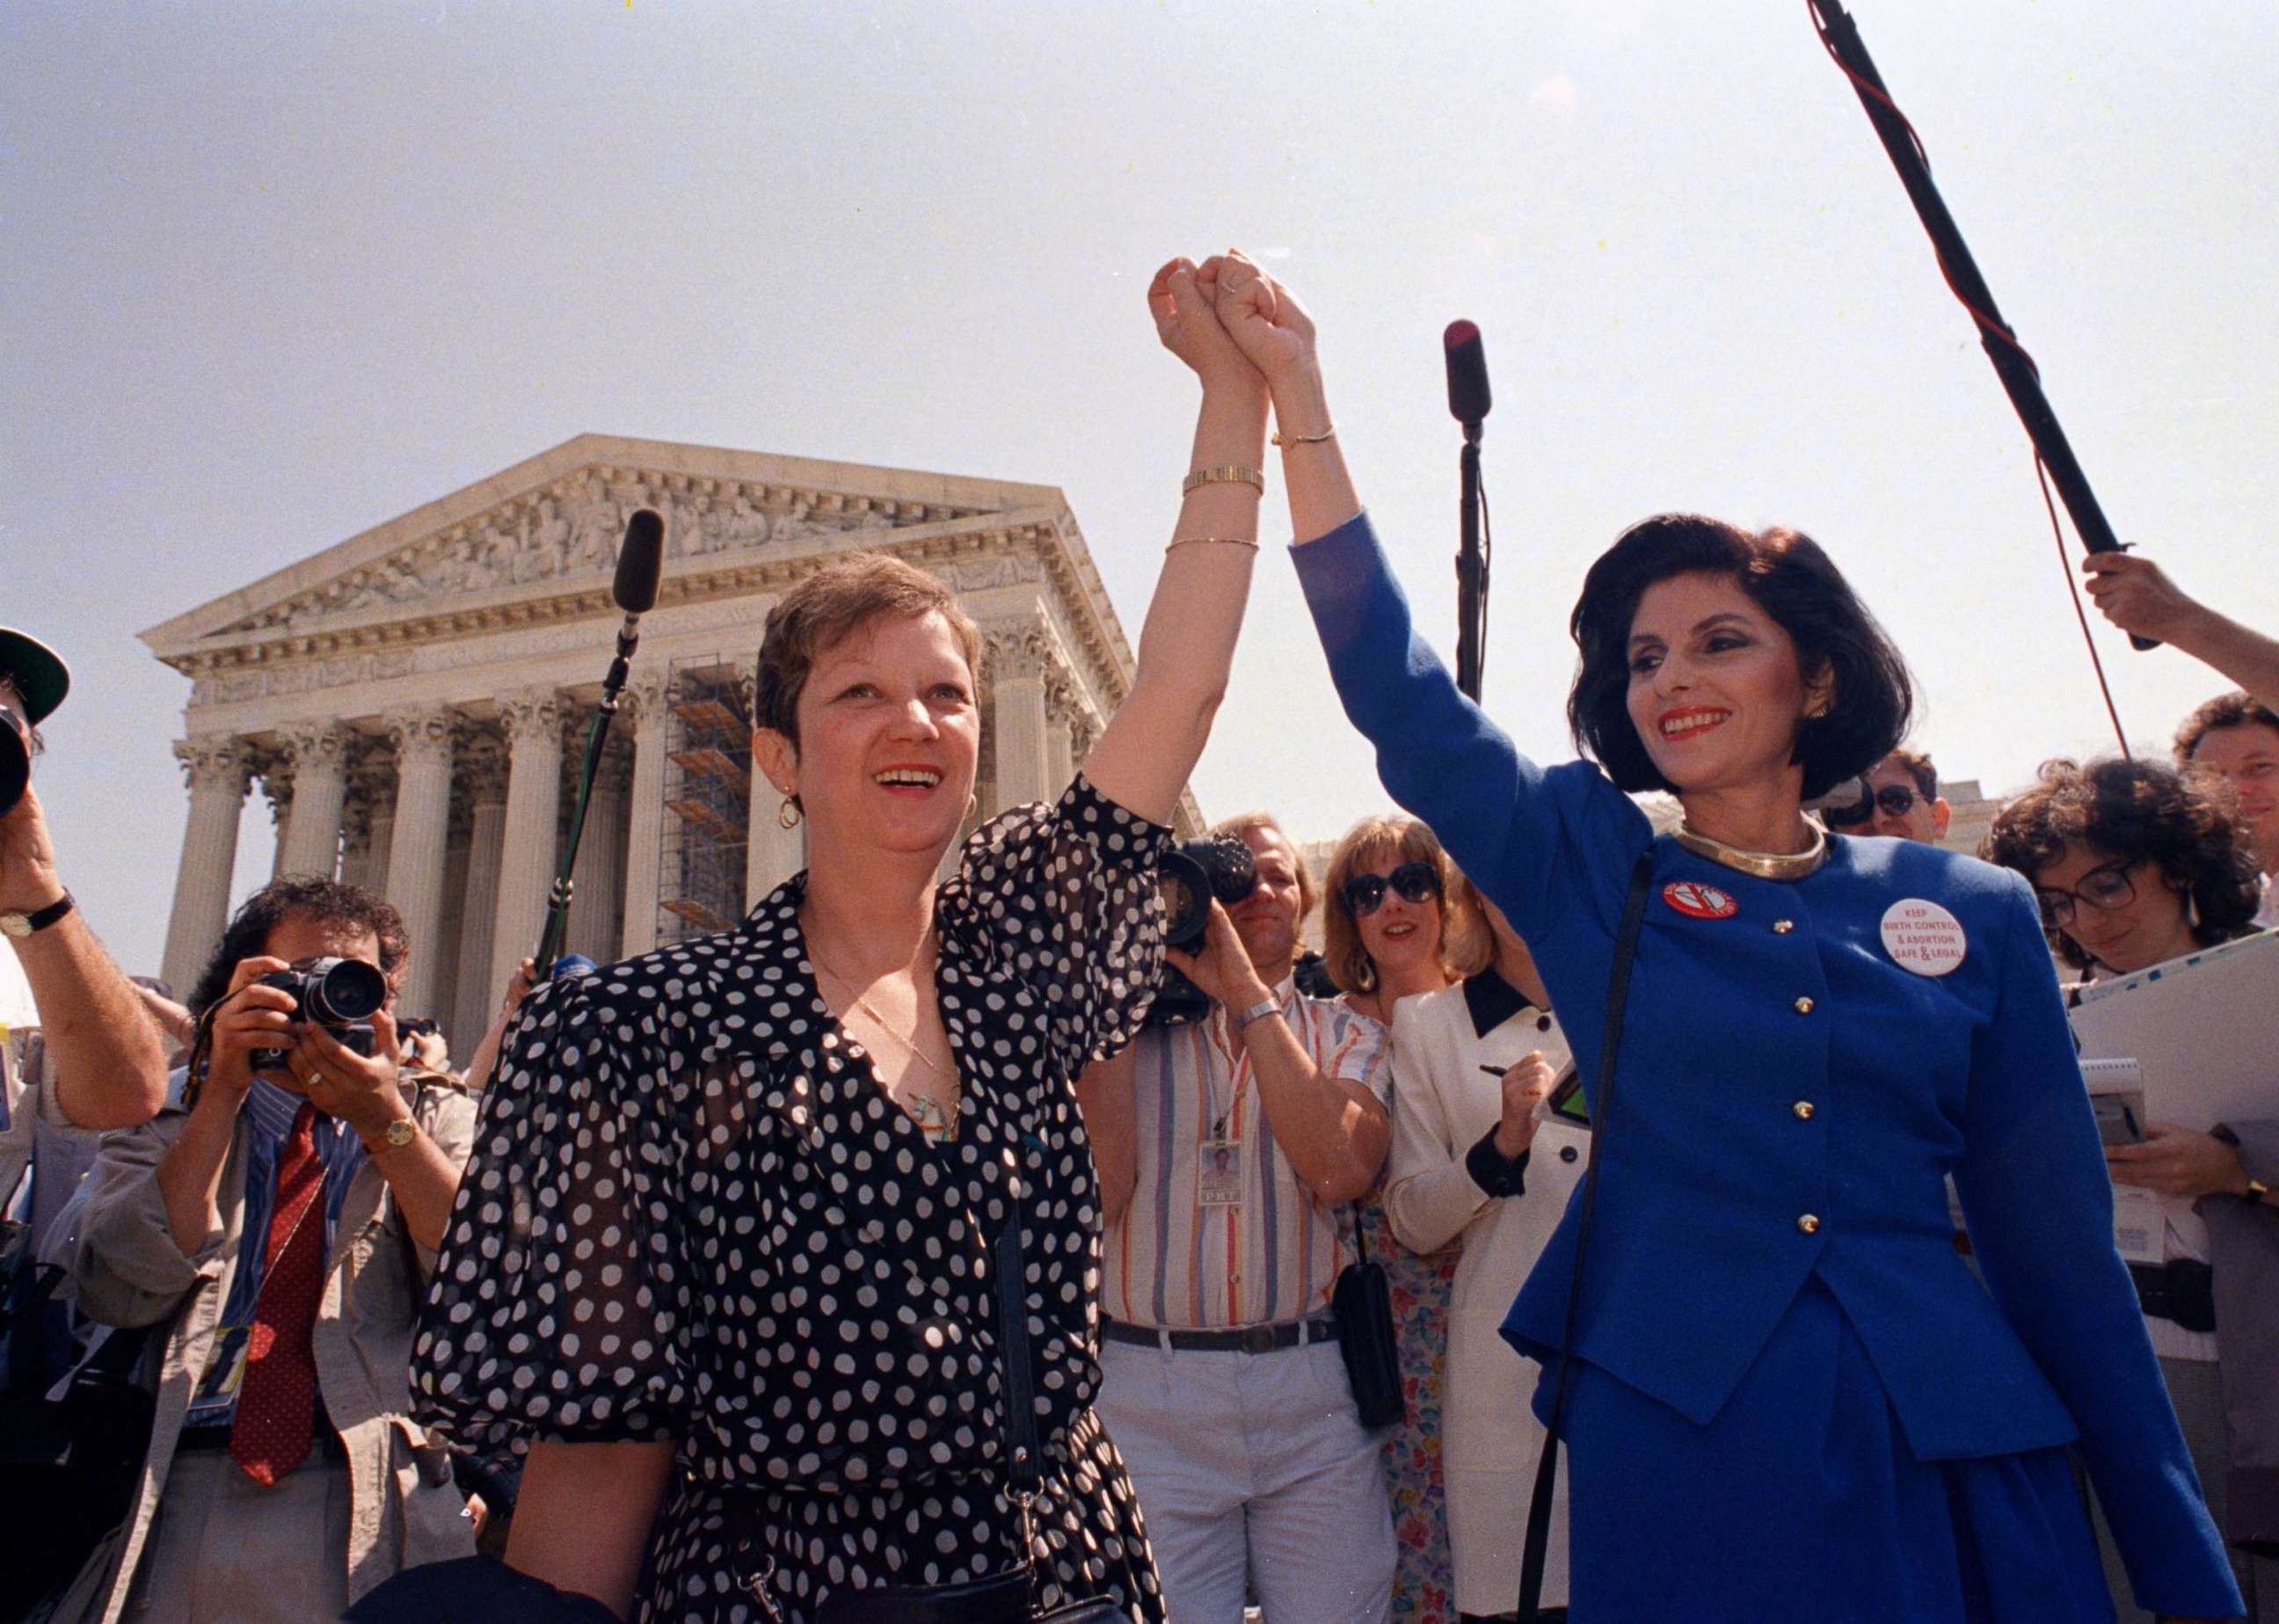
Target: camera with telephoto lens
[(15, 749), (340, 995), (1190, 877)]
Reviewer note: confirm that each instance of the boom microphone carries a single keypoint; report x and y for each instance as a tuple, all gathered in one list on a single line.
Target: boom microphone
[(641, 567), (641, 562), (1468, 376)]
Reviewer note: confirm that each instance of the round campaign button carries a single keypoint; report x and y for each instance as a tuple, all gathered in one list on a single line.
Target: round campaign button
[(1697, 900), (1922, 937)]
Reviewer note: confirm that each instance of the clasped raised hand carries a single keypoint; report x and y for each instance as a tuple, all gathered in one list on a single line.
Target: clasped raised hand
[(1188, 324)]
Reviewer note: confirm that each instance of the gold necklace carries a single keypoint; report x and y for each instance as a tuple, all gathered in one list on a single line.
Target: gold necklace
[(1764, 865), (933, 1117)]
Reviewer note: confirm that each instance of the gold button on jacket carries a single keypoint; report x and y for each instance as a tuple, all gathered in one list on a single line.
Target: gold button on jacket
[(1808, 1223), (1804, 1005)]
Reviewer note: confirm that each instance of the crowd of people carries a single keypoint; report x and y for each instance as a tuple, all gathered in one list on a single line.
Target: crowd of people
[(1715, 1189)]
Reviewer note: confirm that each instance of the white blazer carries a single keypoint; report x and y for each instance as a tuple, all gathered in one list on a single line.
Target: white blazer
[(1443, 1103)]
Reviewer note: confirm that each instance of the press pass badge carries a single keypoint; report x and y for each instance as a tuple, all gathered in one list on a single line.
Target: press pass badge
[(1219, 1180), (1922, 937)]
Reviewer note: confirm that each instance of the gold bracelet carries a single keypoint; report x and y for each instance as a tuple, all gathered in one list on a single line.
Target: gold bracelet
[(1226, 473), (1288, 441), (1214, 541)]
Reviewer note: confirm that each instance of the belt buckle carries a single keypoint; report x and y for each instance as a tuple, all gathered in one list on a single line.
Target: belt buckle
[(1257, 1338)]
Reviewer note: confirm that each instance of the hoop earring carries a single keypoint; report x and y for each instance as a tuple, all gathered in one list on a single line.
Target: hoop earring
[(973, 808), (2192, 910), (787, 815)]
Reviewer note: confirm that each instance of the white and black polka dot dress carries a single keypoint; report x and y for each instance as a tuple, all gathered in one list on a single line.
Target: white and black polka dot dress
[(692, 1213)]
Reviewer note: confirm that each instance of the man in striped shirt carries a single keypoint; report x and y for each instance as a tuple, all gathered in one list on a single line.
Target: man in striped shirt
[(1230, 1152)]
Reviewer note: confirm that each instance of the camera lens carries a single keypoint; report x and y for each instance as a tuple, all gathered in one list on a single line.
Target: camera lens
[(344, 990), (1185, 890)]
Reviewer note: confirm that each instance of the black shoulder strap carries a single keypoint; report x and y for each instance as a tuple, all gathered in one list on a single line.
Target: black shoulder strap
[(1602, 1112), (1023, 1461)]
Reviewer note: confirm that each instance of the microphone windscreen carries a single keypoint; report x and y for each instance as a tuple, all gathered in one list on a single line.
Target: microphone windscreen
[(1467, 372), (641, 562)]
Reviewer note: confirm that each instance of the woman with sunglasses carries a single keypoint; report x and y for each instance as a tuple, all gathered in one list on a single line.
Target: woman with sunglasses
[(2134, 865), (1390, 932), (1786, 1396)]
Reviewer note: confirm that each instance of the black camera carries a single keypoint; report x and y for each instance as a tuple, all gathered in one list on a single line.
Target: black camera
[(340, 995), (15, 749), (1189, 876)]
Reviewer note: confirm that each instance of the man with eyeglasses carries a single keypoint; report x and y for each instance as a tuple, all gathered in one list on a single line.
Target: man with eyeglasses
[(1230, 1152)]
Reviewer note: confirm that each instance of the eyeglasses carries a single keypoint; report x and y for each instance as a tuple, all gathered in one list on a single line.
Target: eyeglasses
[(1896, 799), (1414, 882), (2105, 887)]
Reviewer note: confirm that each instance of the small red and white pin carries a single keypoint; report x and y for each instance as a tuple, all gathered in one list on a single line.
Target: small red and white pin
[(1697, 900)]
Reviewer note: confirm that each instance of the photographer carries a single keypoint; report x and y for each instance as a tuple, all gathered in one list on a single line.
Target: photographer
[(281, 1217), (104, 1065), (1230, 1154)]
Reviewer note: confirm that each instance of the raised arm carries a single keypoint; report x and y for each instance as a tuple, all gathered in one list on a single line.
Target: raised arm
[(103, 1049), (2135, 595), (1186, 645)]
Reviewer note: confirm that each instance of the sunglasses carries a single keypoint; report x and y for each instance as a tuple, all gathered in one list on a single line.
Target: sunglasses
[(2103, 888), (1413, 882), (1896, 799)]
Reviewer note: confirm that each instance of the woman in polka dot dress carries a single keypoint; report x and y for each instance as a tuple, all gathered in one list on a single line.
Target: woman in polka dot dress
[(721, 1262)]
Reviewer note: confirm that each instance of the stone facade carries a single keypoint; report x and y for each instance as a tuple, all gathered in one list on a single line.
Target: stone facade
[(414, 702)]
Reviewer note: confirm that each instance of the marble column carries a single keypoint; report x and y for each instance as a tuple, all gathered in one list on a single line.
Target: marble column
[(418, 833), (645, 701), (598, 877), (217, 770), (532, 720), (276, 775), (484, 762), (1060, 724), (1018, 660), (311, 841)]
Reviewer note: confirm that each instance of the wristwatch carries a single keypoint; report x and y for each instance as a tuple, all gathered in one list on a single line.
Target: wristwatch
[(1258, 1011), (21, 925), (398, 1134)]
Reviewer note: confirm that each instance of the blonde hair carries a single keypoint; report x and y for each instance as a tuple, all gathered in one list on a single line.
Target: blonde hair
[(1465, 945), (1243, 823), (838, 599)]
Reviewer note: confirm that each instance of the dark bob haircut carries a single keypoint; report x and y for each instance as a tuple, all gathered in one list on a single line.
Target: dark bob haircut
[(2136, 811), (310, 897), (1786, 574)]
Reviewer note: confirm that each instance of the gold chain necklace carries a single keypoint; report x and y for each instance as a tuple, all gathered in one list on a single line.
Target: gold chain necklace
[(1764, 865), (931, 1116)]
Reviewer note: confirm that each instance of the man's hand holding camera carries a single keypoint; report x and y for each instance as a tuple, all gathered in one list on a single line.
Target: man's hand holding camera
[(255, 1023), (1221, 966)]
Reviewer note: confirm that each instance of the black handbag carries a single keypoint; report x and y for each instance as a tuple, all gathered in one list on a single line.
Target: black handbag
[(1361, 1303), (1602, 1109)]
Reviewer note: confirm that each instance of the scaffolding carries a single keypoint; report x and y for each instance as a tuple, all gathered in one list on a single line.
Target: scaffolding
[(708, 795)]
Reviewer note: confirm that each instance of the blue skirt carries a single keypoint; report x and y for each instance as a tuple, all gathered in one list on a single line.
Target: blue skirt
[(1802, 1504)]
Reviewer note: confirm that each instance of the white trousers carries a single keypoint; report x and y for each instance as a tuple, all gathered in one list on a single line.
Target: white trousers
[(1253, 1470)]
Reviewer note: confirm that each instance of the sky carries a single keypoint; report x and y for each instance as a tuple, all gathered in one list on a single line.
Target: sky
[(272, 274)]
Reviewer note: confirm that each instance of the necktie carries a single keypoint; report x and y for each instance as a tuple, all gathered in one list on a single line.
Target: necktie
[(275, 1421)]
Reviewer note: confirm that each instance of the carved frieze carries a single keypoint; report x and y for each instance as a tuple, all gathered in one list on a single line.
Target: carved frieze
[(571, 528)]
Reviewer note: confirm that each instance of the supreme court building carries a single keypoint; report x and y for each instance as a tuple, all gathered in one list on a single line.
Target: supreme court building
[(413, 701)]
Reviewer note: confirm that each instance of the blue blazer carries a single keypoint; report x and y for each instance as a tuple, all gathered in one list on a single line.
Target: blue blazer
[(1789, 1101)]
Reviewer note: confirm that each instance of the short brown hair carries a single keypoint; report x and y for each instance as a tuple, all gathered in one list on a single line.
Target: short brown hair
[(1242, 823), (2137, 811), (2236, 709), (1786, 574), (836, 600), (1465, 945), (1918, 766)]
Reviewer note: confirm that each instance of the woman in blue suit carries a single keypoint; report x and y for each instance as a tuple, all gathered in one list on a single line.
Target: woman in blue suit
[(1791, 1399)]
